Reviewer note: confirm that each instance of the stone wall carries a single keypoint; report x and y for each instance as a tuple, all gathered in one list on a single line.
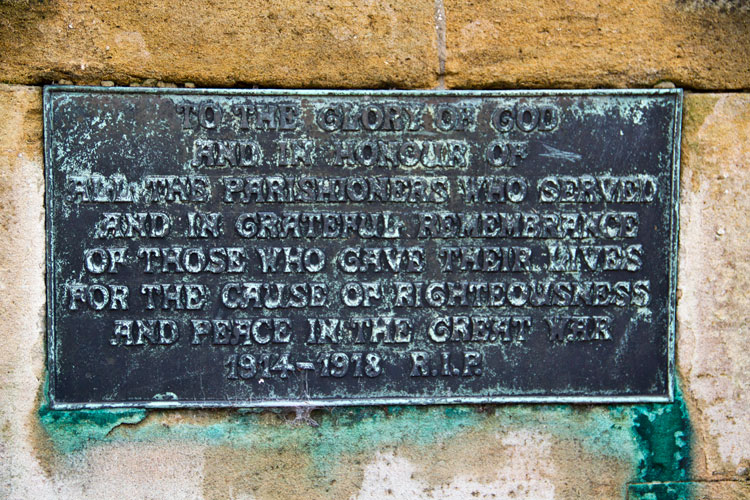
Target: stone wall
[(697, 447)]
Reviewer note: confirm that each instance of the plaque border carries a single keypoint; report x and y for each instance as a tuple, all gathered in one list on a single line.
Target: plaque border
[(674, 209)]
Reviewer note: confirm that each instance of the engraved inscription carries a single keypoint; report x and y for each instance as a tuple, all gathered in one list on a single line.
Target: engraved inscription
[(288, 248)]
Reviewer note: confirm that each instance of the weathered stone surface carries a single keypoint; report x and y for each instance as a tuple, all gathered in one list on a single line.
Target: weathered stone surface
[(541, 43), (21, 276), (337, 43), (521, 461), (714, 280), (421, 453), (508, 451)]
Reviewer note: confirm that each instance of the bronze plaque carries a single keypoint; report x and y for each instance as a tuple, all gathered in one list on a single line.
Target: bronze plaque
[(290, 248)]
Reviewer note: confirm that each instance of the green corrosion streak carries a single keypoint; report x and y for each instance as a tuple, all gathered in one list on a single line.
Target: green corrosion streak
[(72, 430), (664, 435), (341, 429), (662, 491), (654, 438)]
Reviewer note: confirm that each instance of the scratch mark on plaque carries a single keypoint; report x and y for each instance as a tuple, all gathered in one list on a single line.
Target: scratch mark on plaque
[(559, 154)]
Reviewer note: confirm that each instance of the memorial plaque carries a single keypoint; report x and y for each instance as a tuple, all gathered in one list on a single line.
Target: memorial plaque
[(291, 248)]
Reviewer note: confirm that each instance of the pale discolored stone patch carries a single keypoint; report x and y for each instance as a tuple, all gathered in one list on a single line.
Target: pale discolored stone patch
[(508, 458), (21, 280), (336, 43), (392, 475), (581, 44), (714, 280)]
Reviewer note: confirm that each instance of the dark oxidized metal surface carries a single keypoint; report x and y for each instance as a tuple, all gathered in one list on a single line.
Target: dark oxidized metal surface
[(272, 248)]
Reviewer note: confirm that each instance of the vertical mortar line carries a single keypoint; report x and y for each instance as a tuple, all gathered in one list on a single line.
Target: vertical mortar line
[(441, 50)]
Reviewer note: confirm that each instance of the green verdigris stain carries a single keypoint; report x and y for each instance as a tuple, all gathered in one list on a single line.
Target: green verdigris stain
[(73, 430), (653, 438), (664, 434), (660, 431), (340, 429)]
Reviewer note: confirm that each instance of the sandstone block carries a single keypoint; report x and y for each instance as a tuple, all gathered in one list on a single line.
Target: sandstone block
[(542, 43), (336, 43), (713, 311)]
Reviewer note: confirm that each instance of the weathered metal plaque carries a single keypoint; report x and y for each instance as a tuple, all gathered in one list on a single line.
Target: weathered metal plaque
[(278, 248)]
